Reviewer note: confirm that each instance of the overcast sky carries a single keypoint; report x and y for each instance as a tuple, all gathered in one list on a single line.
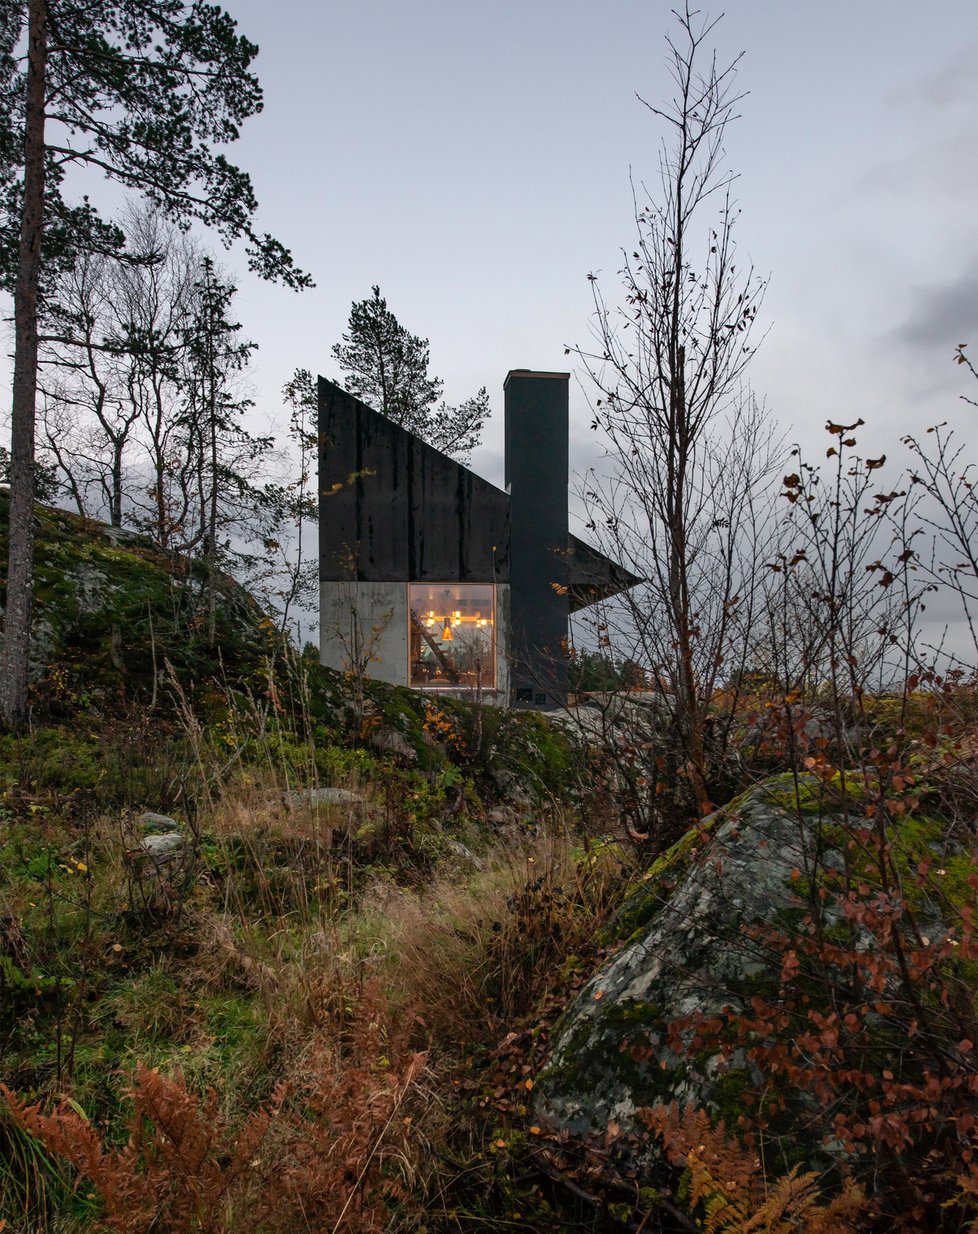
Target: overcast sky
[(473, 158)]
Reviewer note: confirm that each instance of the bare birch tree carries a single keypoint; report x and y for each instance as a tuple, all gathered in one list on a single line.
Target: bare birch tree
[(143, 413), (687, 447)]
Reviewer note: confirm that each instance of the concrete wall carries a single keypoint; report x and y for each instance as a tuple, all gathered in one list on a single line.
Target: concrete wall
[(503, 645), (364, 628)]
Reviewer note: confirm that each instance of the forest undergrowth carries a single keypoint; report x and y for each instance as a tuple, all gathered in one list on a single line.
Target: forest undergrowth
[(330, 1012), (327, 1006), (325, 1012)]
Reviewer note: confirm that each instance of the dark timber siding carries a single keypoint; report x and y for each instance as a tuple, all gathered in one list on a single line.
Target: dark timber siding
[(394, 509)]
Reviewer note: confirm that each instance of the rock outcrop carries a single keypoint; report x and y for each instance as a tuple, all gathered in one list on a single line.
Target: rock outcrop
[(698, 943), (114, 614)]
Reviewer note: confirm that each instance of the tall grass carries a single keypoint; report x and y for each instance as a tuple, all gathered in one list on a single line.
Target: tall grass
[(313, 938), (476, 953), (34, 1185)]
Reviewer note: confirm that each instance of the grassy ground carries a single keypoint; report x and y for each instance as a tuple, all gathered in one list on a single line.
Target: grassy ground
[(317, 960)]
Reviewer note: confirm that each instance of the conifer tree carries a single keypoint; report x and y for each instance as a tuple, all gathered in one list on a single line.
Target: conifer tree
[(140, 91), (387, 367), (229, 503)]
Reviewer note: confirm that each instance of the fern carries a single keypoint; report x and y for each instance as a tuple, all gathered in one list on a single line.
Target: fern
[(322, 1155), (726, 1187)]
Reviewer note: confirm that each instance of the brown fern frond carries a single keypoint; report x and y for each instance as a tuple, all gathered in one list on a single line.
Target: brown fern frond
[(728, 1186), (327, 1153), (65, 1132)]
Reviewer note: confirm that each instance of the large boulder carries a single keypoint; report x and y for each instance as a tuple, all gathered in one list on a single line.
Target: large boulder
[(114, 614), (700, 942)]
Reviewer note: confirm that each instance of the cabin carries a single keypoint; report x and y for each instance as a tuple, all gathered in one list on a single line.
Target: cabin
[(435, 579)]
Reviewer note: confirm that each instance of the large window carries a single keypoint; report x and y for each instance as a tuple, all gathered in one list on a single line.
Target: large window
[(453, 635)]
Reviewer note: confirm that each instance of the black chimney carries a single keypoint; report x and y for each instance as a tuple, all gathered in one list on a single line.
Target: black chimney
[(536, 479)]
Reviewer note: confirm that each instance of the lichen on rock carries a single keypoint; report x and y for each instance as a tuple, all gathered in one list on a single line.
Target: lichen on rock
[(699, 942), (686, 953)]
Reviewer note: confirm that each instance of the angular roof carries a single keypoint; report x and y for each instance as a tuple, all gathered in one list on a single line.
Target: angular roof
[(400, 510), (591, 576)]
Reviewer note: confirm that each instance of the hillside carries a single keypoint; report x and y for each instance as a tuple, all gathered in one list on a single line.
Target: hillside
[(111, 611), (233, 866), (281, 948)]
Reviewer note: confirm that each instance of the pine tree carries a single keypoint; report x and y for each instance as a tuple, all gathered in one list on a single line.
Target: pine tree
[(140, 91), (387, 367), (230, 506)]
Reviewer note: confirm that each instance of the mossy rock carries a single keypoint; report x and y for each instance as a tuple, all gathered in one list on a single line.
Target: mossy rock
[(685, 953), (494, 746), (655, 885), (700, 942), (112, 611), (117, 622)]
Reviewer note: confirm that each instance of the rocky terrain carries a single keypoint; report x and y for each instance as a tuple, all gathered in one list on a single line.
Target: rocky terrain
[(282, 948)]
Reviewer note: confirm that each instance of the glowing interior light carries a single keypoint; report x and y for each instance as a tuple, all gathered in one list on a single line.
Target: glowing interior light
[(431, 618), (446, 634)]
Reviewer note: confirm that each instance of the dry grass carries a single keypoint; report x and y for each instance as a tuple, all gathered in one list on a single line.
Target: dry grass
[(472, 954), (296, 922)]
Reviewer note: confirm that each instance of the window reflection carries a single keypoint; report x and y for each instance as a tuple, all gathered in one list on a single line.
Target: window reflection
[(452, 635)]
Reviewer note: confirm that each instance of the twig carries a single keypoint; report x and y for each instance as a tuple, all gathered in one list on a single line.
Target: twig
[(596, 1202)]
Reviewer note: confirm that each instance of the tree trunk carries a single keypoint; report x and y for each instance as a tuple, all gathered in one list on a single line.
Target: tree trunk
[(212, 537), (115, 508), (20, 572), (212, 496)]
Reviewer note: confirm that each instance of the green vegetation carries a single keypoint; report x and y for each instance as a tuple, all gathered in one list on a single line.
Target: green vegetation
[(116, 620), (380, 891), (289, 912)]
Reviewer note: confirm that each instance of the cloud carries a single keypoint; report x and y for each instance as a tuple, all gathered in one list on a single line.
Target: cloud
[(942, 315), (955, 84), (934, 115)]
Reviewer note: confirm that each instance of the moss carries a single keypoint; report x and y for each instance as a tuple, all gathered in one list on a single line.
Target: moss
[(110, 608), (614, 1046), (130, 760), (543, 749), (921, 838), (634, 916), (485, 741), (729, 1090), (804, 794)]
